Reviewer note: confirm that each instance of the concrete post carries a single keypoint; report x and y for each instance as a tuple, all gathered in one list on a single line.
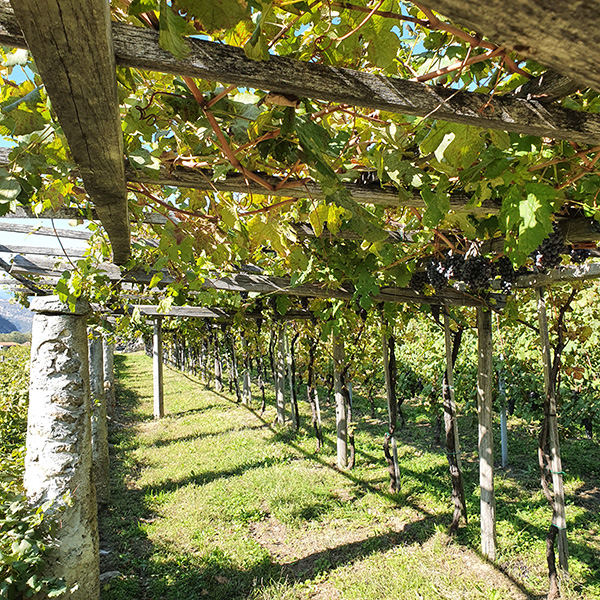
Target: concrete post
[(157, 361), (100, 458), (108, 352), (58, 463)]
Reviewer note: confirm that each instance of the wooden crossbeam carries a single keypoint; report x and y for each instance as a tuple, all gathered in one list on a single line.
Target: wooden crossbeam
[(70, 252), (137, 47), (73, 234), (560, 34), (263, 284), (71, 42), (202, 179)]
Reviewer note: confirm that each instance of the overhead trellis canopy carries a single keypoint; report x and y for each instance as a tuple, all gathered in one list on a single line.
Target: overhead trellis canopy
[(353, 170)]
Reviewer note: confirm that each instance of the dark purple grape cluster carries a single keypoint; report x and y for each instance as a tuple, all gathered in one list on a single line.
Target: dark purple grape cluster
[(507, 273), (579, 255), (453, 265), (436, 274), (547, 254), (418, 281), (476, 272)]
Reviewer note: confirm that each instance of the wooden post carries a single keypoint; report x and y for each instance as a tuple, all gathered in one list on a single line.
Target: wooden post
[(503, 416), (341, 413), (559, 518), (246, 390), (218, 365), (280, 374), (389, 368), (100, 459), (451, 426), (157, 359), (58, 464), (486, 438)]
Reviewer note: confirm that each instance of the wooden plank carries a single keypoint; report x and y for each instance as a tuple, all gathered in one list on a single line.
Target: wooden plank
[(72, 234), (66, 252), (71, 42), (486, 438), (243, 282), (202, 179), (560, 34), (157, 364), (184, 311), (563, 274), (137, 47)]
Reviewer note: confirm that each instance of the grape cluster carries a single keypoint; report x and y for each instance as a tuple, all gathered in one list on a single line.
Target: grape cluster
[(453, 265), (437, 274), (418, 281), (547, 254), (507, 273), (579, 255), (476, 272)]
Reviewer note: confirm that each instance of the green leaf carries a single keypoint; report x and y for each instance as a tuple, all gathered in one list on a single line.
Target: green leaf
[(137, 7), (256, 47), (438, 205), (9, 187), (172, 29), (215, 14), (526, 217)]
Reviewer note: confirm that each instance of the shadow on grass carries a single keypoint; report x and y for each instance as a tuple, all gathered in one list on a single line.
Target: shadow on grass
[(214, 575)]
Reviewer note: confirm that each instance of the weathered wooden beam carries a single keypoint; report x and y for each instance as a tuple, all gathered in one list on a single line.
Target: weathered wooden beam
[(71, 43), (564, 274), (560, 34), (137, 47), (73, 234), (202, 179), (242, 282), (70, 252)]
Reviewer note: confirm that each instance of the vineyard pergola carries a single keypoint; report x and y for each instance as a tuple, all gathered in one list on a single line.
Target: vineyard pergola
[(84, 63)]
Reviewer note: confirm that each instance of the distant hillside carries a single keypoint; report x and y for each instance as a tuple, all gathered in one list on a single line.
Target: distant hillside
[(13, 317)]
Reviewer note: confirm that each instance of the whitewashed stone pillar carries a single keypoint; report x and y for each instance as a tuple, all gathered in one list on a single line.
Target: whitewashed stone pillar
[(100, 460), (108, 353), (58, 463)]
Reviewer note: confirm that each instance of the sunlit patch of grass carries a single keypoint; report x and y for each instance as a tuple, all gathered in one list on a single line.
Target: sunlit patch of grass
[(214, 501)]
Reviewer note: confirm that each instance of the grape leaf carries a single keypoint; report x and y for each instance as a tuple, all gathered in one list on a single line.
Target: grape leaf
[(215, 15), (172, 29)]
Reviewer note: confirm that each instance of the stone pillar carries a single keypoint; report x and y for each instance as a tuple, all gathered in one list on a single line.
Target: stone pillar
[(58, 463), (108, 353), (99, 423)]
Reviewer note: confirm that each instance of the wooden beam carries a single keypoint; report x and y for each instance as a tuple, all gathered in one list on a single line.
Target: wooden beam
[(137, 47), (341, 409), (70, 252), (264, 284), (564, 274), (73, 234), (202, 179), (71, 43), (560, 34)]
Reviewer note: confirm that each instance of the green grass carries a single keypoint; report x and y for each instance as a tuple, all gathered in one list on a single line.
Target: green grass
[(214, 502)]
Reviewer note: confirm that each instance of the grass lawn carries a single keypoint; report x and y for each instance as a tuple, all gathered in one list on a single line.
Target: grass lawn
[(215, 502)]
